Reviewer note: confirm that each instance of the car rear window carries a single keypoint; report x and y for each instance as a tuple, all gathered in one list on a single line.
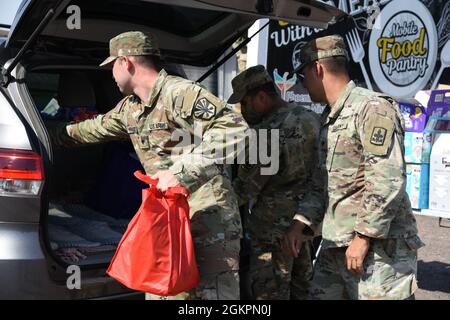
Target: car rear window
[(43, 87)]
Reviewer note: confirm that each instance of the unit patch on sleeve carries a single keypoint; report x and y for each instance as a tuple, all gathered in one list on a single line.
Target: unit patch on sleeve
[(378, 136), (378, 133), (204, 109)]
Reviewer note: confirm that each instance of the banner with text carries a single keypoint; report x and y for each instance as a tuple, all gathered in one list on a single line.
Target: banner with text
[(397, 47)]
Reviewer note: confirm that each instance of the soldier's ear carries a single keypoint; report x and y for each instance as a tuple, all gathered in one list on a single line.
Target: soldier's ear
[(129, 64), (266, 98), (261, 96), (318, 69)]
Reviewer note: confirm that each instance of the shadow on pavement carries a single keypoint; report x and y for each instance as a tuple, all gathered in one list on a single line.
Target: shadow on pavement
[(437, 275)]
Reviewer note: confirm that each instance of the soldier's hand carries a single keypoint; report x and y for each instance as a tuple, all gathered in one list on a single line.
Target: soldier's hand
[(292, 239), (166, 179), (356, 253)]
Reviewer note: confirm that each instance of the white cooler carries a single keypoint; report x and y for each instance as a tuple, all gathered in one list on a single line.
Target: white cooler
[(439, 194)]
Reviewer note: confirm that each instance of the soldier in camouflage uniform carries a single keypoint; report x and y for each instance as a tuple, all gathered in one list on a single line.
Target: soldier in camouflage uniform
[(155, 106), (370, 241), (275, 198)]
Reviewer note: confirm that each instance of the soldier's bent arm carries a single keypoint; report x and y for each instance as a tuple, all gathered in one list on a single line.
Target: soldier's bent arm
[(249, 183), (250, 180), (381, 135), (104, 127), (311, 207), (219, 130)]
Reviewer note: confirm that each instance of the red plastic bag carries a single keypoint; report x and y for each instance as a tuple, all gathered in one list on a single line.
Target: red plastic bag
[(156, 253)]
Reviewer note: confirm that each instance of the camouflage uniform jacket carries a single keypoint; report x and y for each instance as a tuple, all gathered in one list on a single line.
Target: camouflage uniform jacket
[(362, 148), (276, 198), (174, 103)]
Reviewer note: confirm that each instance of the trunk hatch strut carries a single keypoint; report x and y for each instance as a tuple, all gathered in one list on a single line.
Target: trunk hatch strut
[(6, 73)]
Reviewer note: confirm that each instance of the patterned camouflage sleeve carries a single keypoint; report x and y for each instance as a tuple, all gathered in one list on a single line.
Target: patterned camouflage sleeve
[(220, 132), (381, 133), (109, 126), (249, 181), (311, 208)]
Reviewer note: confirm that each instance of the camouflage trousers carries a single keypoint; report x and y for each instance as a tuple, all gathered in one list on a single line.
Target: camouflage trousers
[(216, 282), (390, 272), (216, 230), (275, 276)]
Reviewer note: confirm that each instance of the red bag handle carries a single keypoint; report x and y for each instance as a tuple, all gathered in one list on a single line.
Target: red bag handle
[(146, 179), (154, 182)]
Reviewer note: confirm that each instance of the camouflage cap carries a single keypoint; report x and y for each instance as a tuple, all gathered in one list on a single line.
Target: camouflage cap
[(132, 43), (247, 80), (320, 48)]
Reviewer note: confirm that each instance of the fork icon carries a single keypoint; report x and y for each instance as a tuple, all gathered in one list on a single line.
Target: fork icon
[(357, 50)]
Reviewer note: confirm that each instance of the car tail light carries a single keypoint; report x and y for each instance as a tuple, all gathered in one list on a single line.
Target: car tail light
[(21, 172)]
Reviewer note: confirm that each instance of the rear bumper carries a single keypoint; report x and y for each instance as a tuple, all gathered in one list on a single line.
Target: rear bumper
[(27, 272)]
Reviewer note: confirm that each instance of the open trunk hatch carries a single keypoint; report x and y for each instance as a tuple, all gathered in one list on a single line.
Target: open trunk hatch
[(190, 31)]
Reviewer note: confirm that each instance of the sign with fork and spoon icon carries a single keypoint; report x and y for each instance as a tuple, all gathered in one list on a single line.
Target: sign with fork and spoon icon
[(403, 51), (357, 51)]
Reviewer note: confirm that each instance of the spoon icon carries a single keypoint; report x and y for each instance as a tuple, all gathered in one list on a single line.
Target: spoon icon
[(445, 63)]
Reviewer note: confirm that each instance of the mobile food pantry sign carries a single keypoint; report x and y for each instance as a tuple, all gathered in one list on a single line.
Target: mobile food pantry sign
[(396, 46)]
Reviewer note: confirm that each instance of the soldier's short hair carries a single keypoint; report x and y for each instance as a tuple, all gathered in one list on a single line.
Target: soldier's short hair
[(149, 61), (335, 65)]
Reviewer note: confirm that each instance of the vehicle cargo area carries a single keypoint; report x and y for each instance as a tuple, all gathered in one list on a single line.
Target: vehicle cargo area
[(92, 192), (91, 188)]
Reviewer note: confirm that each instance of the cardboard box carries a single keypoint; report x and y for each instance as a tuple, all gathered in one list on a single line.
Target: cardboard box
[(439, 104), (414, 115), (440, 173), (417, 184), (418, 147)]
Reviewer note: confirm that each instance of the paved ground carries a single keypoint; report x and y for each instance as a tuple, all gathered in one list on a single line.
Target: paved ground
[(434, 259)]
